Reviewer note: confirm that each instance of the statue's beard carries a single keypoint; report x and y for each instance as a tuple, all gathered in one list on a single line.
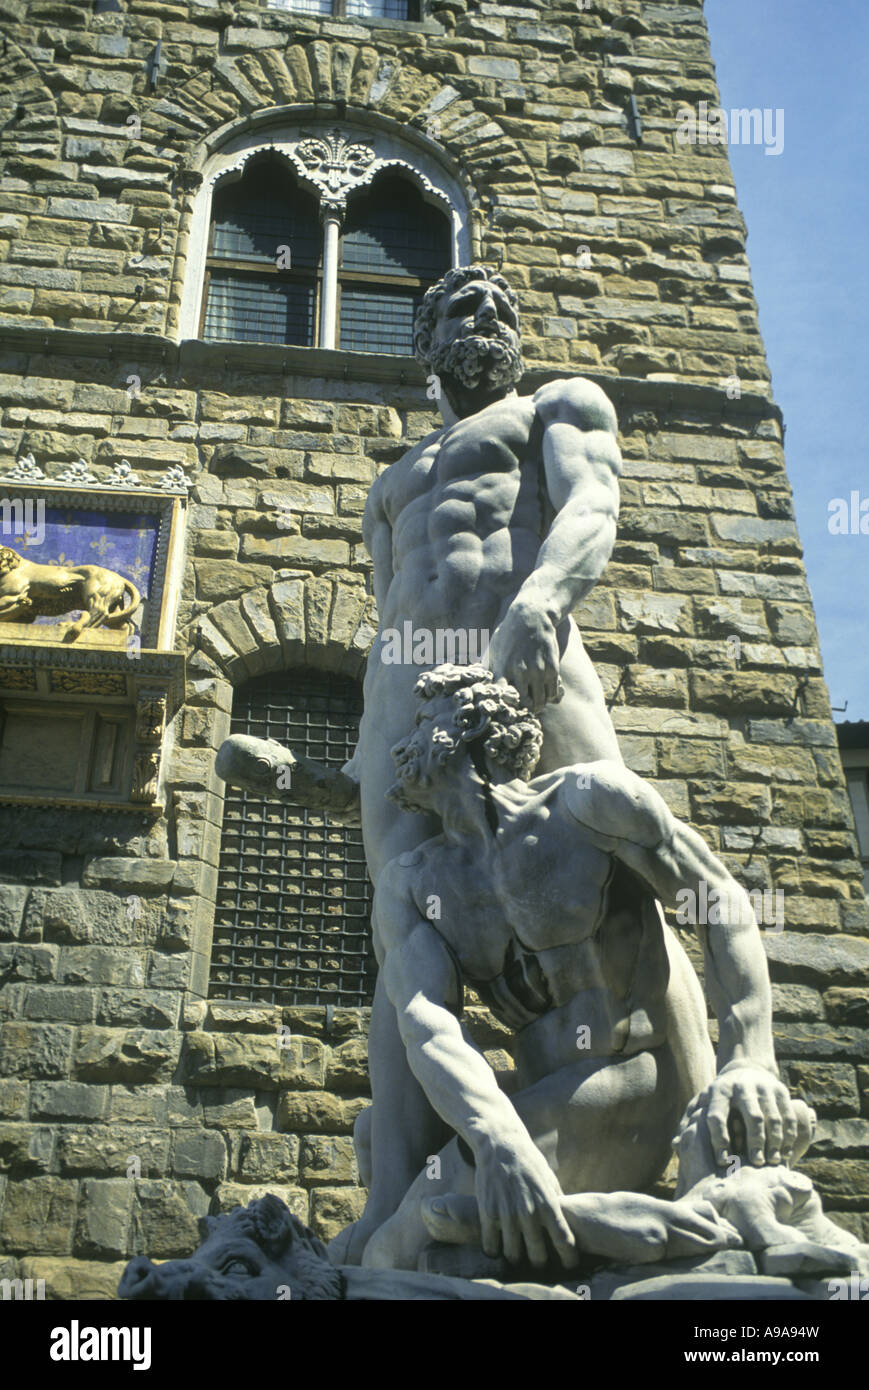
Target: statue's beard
[(491, 361), (409, 779)]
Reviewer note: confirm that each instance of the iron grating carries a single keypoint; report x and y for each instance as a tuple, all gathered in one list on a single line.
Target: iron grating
[(293, 894)]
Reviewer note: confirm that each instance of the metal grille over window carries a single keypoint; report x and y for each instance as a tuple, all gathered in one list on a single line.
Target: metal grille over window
[(262, 260), (293, 894)]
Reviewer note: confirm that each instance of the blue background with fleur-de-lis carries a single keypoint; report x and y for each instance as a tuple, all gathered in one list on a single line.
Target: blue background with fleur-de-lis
[(120, 541)]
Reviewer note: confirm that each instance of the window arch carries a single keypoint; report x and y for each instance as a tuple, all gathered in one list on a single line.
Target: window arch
[(293, 894), (321, 237)]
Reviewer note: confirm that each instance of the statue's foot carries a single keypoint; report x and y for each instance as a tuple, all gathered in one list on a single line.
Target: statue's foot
[(805, 1257), (452, 1219), (348, 1247)]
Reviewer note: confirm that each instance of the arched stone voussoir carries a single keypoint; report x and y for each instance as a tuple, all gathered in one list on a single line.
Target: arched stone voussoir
[(299, 620), (256, 87)]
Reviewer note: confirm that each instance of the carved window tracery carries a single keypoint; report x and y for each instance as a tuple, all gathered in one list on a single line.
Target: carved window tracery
[(326, 240)]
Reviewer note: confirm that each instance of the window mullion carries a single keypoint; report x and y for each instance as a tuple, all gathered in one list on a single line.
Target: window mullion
[(329, 292)]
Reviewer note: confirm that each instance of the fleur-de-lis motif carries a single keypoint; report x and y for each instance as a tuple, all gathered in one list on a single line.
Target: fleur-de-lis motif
[(175, 479), (335, 165), (26, 470), (77, 472), (122, 475)]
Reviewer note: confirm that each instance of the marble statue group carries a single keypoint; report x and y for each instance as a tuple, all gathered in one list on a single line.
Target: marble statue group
[(514, 854)]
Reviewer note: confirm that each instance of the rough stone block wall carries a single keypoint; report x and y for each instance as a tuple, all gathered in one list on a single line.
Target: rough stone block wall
[(130, 1103)]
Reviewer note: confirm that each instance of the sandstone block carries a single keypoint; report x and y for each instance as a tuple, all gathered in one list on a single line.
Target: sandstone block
[(39, 1216), (36, 1050), (126, 1056), (103, 1223), (333, 1208), (201, 1155), (327, 1159), (267, 1157), (165, 1217)]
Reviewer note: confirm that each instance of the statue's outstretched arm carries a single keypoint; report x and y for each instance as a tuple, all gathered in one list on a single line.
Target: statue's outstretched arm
[(264, 766), (628, 817), (519, 1195)]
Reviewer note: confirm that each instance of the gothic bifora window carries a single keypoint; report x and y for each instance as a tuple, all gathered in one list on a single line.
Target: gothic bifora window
[(355, 9), (283, 266), (293, 896)]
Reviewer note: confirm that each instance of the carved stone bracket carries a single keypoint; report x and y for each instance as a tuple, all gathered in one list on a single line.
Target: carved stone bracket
[(146, 770), (150, 716)]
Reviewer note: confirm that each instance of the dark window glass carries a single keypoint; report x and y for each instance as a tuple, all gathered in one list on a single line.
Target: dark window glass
[(374, 321), (293, 894), (367, 9), (380, 9), (244, 309), (262, 261), (395, 245), (303, 6), (393, 231)]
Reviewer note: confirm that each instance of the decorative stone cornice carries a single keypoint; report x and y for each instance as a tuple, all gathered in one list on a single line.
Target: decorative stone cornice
[(78, 475)]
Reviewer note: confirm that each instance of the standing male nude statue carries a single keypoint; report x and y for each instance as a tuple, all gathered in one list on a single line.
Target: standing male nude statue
[(499, 523)]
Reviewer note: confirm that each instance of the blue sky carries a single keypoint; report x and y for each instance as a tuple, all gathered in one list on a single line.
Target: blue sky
[(807, 211)]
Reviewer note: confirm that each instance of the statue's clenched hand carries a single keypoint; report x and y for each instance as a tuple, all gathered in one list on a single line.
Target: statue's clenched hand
[(520, 1199), (747, 1108), (524, 649)]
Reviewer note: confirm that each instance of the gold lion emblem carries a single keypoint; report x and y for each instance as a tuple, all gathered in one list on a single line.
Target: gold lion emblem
[(29, 591)]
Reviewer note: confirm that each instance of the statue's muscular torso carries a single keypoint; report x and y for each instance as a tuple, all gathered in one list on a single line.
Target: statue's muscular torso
[(454, 528), (588, 954), (468, 511)]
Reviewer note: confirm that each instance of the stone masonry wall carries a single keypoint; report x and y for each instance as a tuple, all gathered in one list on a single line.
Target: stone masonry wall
[(129, 1102)]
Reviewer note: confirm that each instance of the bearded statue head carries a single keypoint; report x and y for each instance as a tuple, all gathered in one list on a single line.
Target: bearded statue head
[(467, 330)]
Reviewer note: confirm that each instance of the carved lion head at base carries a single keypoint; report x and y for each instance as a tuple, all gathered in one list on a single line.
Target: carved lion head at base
[(259, 1252)]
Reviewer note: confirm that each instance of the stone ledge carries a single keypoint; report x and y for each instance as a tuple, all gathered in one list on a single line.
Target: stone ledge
[(363, 367)]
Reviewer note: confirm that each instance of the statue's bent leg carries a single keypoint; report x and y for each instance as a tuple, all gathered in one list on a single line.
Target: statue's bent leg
[(602, 1125)]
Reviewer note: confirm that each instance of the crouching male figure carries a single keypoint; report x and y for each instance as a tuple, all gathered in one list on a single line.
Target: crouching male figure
[(547, 891)]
